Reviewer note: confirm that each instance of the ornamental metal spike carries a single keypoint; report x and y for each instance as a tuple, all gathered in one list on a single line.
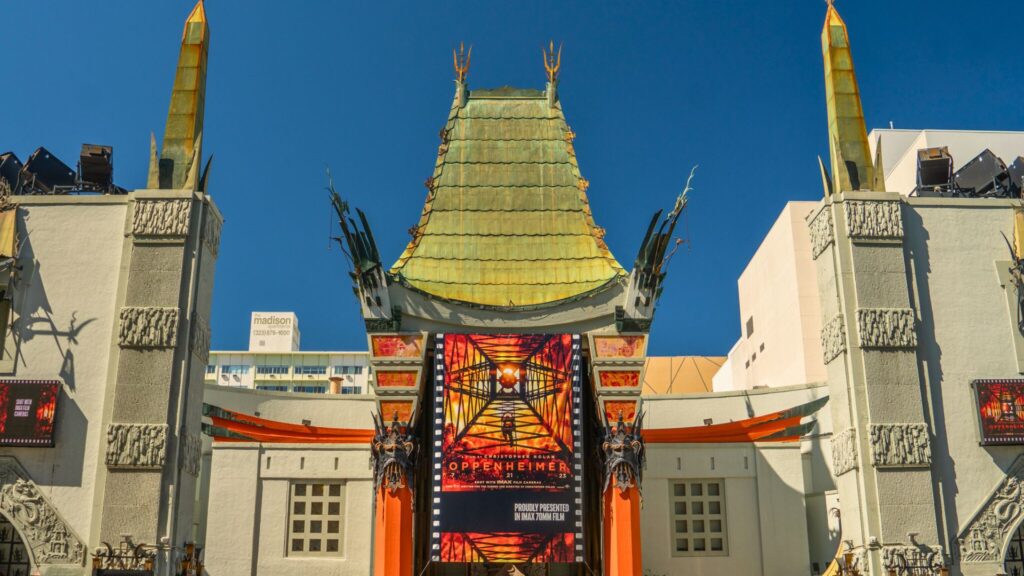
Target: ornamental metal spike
[(552, 62), (461, 59)]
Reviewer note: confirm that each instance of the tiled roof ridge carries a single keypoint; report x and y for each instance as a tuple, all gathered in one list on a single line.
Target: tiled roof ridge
[(537, 130)]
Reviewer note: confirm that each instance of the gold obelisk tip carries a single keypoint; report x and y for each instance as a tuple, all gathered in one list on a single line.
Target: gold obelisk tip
[(196, 26), (832, 17)]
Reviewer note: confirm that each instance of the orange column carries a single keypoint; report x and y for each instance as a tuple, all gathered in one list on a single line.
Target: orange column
[(392, 541), (622, 553)]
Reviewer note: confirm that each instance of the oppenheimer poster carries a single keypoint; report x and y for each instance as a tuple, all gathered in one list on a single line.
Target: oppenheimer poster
[(507, 449)]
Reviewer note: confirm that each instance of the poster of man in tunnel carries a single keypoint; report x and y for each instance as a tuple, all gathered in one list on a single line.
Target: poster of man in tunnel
[(507, 449)]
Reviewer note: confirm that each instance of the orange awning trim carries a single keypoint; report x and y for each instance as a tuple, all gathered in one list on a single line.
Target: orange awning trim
[(781, 426)]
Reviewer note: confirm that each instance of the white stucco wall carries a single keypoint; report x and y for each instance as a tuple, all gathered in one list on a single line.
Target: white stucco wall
[(247, 513), (778, 292), (967, 331), (65, 307), (765, 484)]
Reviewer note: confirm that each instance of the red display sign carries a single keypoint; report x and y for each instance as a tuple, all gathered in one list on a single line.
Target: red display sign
[(1000, 411), (507, 447), (28, 411)]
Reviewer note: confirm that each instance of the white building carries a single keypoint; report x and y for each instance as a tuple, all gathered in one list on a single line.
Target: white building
[(274, 363)]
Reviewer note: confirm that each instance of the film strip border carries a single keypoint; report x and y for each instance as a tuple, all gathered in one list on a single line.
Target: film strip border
[(577, 443), (435, 474)]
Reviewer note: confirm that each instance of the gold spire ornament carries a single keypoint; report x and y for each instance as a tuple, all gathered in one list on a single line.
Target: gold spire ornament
[(552, 63), (850, 155), (461, 60), (188, 98)]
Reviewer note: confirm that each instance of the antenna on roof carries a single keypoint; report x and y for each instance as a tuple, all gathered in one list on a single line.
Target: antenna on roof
[(552, 62), (461, 60)]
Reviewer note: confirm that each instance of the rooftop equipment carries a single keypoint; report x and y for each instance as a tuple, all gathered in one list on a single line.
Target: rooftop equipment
[(985, 175), (934, 170)]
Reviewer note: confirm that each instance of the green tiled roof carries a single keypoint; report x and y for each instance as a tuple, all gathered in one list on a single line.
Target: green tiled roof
[(507, 222)]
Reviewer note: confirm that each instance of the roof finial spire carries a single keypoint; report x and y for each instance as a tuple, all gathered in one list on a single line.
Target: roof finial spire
[(461, 59), (552, 62)]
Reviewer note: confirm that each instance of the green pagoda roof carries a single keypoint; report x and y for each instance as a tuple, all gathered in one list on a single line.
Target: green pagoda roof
[(506, 222)]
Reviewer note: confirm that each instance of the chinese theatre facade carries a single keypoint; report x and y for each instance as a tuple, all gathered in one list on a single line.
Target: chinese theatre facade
[(508, 348)]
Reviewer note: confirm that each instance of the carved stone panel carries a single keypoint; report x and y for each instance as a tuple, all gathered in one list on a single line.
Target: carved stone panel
[(211, 232), (161, 218), (844, 451), (820, 229), (908, 560), (201, 339), (191, 452), (874, 220), (900, 446), (886, 328), (47, 536), (148, 327), (136, 445), (833, 338), (985, 537)]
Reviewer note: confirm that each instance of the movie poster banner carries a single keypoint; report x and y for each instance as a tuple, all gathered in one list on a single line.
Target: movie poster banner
[(507, 476), (28, 410), (1000, 411)]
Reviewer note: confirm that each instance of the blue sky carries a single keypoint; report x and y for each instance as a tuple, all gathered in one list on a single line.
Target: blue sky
[(649, 88)]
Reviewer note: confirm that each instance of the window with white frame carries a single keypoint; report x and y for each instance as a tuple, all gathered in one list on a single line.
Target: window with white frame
[(698, 518), (315, 519), (312, 370)]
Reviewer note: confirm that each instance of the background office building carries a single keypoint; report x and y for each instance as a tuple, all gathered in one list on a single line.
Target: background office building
[(274, 362)]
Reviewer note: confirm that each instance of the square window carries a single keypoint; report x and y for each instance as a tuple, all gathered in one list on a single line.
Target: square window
[(316, 529), (698, 522)]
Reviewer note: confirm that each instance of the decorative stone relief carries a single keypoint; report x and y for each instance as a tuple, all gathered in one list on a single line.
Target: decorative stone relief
[(874, 220), (46, 534), (148, 327), (900, 446), (886, 328), (191, 452), (833, 338), (136, 445), (821, 232), (910, 560), (844, 451), (161, 217), (986, 536), (211, 232), (201, 339)]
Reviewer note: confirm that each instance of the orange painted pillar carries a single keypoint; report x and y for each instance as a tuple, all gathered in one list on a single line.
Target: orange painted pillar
[(392, 537), (622, 552)]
